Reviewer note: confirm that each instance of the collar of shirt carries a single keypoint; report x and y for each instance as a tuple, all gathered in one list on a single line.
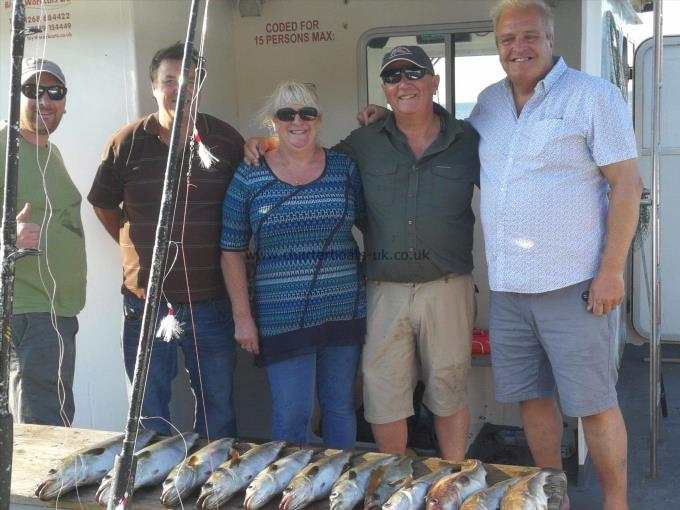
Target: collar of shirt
[(152, 126), (449, 129), (543, 86)]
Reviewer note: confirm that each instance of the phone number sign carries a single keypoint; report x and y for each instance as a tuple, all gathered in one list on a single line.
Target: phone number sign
[(51, 19)]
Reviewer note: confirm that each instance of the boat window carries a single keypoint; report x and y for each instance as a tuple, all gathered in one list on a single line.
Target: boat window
[(465, 58)]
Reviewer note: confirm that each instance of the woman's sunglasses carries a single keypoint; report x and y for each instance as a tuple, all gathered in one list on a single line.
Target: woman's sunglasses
[(411, 73), (54, 92), (288, 114)]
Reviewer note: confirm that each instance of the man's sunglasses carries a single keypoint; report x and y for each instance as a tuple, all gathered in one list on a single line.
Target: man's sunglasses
[(412, 73), (54, 92), (288, 114)]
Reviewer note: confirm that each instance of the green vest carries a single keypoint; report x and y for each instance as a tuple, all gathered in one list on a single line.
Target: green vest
[(60, 270)]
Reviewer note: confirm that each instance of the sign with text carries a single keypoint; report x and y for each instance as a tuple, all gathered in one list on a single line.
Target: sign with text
[(51, 17), (293, 32)]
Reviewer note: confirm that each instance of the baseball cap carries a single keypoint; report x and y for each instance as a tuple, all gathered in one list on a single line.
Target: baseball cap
[(32, 66), (414, 54)]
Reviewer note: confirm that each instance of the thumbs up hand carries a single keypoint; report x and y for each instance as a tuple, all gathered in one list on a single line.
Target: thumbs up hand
[(28, 234)]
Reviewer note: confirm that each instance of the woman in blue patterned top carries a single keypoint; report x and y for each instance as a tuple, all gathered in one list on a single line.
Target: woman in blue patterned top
[(298, 207)]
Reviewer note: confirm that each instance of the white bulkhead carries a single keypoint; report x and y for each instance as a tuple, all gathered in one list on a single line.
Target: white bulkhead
[(104, 47)]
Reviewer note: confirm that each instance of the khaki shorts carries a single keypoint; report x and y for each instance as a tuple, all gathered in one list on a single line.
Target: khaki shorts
[(411, 326)]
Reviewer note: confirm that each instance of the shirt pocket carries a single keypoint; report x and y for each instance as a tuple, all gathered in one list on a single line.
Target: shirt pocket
[(379, 182), (448, 189)]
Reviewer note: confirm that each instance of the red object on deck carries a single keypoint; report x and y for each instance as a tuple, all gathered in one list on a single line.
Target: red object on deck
[(480, 341)]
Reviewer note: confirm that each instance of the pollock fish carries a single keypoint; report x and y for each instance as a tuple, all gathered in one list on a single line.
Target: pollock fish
[(539, 491), (387, 480), (153, 464), (489, 499), (271, 482), (412, 495), (194, 471), (85, 466), (351, 486), (236, 474), (449, 492), (314, 482)]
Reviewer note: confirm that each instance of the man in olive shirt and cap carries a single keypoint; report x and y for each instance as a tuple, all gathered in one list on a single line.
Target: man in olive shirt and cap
[(419, 167), (49, 289)]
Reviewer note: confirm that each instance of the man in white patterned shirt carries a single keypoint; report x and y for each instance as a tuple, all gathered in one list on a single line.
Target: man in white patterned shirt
[(560, 191)]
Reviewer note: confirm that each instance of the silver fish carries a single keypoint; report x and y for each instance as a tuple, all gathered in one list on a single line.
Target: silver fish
[(85, 466), (314, 482), (488, 499), (543, 490), (351, 486), (275, 478), (412, 496), (194, 471), (236, 474), (449, 492), (387, 480), (153, 463)]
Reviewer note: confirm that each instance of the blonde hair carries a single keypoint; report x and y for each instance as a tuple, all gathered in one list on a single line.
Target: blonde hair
[(287, 93), (503, 5)]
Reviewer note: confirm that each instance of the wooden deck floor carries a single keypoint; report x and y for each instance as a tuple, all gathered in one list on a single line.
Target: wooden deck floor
[(38, 448)]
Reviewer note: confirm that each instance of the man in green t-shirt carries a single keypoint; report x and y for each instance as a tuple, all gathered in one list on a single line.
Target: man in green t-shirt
[(49, 289)]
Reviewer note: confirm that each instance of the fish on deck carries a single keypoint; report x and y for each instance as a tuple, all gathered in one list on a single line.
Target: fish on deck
[(86, 466), (38, 448), (236, 474), (194, 471), (153, 464)]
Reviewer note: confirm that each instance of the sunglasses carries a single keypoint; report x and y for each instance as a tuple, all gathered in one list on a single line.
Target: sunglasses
[(411, 73), (288, 114), (54, 92)]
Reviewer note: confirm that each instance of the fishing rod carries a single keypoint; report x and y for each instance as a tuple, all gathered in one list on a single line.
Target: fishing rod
[(8, 251), (125, 464)]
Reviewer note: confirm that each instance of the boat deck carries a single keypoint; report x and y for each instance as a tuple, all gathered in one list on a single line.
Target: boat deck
[(633, 389), (37, 449)]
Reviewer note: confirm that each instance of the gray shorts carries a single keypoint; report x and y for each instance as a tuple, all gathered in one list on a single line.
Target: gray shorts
[(41, 369), (548, 340)]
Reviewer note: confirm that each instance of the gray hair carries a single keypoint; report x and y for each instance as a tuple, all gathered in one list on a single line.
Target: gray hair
[(287, 93), (503, 5)]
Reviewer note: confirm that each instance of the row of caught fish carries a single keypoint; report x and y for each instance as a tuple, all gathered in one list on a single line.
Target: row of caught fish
[(300, 477)]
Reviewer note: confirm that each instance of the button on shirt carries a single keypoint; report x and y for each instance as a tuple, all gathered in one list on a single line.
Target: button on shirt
[(419, 224), (543, 197)]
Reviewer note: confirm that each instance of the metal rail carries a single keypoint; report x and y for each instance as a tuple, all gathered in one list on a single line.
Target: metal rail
[(655, 312), (125, 464)]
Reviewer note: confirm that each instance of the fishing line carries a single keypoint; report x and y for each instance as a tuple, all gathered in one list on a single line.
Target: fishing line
[(169, 328), (44, 231), (44, 235), (182, 162), (127, 92), (176, 328), (193, 109), (192, 134), (200, 77)]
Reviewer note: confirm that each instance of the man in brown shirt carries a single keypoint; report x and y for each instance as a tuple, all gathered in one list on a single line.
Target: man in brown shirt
[(126, 195)]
